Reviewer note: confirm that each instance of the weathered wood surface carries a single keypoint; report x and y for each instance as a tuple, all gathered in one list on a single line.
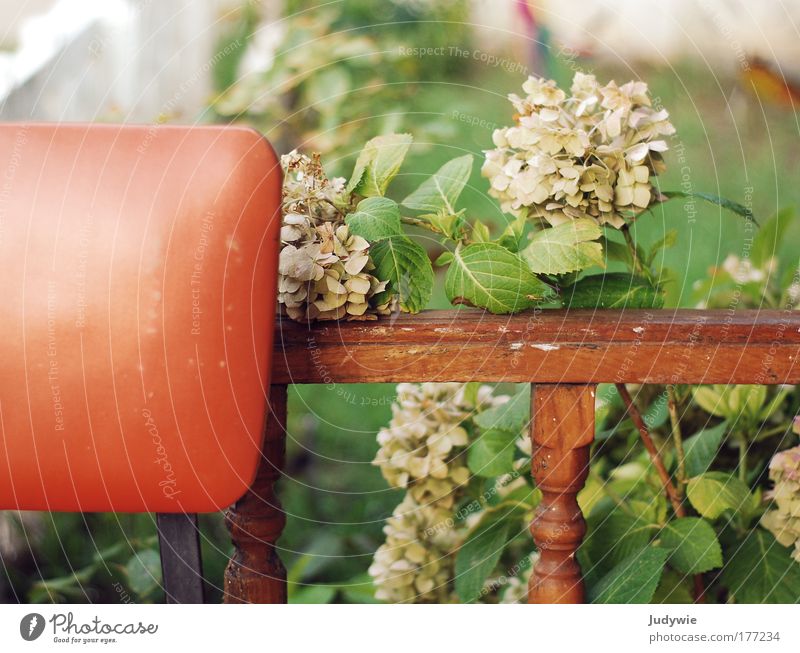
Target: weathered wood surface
[(181, 562), (553, 346), (255, 573), (562, 430)]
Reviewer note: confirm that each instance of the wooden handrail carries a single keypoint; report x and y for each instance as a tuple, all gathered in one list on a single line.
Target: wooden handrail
[(553, 346), (563, 354)]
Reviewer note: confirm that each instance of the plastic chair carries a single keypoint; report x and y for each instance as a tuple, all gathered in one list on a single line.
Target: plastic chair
[(139, 271)]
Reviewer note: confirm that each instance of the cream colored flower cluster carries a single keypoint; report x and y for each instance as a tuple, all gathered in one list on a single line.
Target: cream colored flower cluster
[(784, 522), (589, 155), (324, 270), (422, 451)]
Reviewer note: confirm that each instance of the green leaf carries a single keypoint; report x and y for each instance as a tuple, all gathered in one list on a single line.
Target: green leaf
[(480, 232), (492, 453), (565, 248), (669, 240), (488, 276), (478, 557), (312, 594), (713, 493), (701, 449), (731, 401), (673, 588), (407, 267), (616, 251), (375, 218), (775, 403), (770, 237), (378, 163), (759, 570), (730, 205), (614, 536), (612, 290), (511, 416), (144, 571), (444, 258), (441, 190), (692, 544), (634, 580)]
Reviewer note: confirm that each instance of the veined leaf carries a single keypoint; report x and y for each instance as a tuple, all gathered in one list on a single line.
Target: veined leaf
[(477, 557), (407, 267), (614, 536), (378, 163), (511, 416), (701, 449), (565, 248), (730, 205), (613, 290), (375, 218), (634, 580), (692, 544), (488, 276), (441, 191), (713, 493), (759, 570), (492, 453)]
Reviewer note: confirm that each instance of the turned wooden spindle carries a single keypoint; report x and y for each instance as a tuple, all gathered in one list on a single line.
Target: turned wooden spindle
[(255, 573), (562, 430)]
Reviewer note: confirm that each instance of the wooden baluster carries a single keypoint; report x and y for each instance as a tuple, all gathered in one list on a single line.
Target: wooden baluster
[(562, 430), (255, 573)]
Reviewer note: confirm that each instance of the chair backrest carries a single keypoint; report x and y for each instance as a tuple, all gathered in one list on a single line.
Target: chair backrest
[(138, 269)]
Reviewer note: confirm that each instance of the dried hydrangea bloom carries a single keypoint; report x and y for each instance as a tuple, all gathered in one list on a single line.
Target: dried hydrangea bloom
[(784, 521), (423, 451), (324, 271), (588, 155)]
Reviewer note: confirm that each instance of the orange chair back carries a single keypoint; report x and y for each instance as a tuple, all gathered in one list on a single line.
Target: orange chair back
[(138, 269)]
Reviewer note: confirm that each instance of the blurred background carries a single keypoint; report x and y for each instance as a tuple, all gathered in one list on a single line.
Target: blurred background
[(326, 77)]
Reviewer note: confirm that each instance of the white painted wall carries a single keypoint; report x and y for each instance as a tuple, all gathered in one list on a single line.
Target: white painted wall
[(126, 60)]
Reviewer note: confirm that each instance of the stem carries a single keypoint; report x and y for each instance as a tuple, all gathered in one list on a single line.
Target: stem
[(418, 222), (742, 458), (638, 266), (655, 457), (666, 481), (677, 437)]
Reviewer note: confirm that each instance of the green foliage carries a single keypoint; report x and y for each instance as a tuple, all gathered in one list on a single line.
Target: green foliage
[(714, 493), (614, 536), (488, 276), (759, 570), (566, 248), (407, 267), (634, 580), (375, 218), (701, 449), (692, 544), (378, 163), (613, 290), (492, 453), (511, 416), (722, 202), (441, 190), (478, 556)]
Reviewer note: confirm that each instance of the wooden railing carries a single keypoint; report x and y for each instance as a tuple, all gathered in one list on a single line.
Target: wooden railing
[(563, 354)]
